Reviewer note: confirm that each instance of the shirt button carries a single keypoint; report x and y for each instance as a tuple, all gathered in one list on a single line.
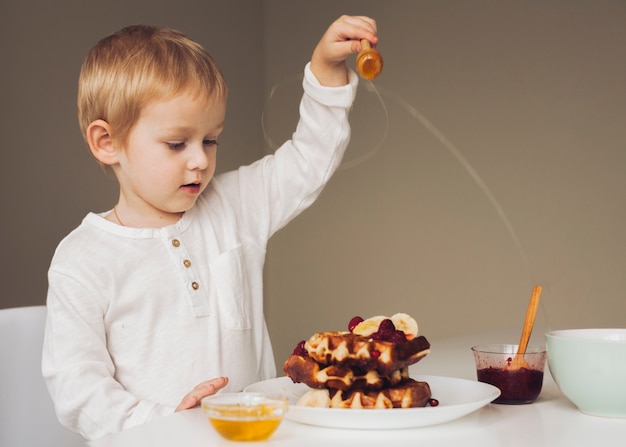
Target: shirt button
[(195, 285), (175, 242), (187, 263)]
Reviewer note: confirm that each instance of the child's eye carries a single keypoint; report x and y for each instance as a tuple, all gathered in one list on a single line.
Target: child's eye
[(176, 145), (208, 142)]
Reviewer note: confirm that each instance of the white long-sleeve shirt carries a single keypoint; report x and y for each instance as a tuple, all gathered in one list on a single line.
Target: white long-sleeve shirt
[(138, 317)]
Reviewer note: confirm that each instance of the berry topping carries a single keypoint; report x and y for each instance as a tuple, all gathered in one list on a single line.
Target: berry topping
[(375, 353), (354, 322), (397, 337), (386, 328), (300, 350), (433, 402), (388, 332)]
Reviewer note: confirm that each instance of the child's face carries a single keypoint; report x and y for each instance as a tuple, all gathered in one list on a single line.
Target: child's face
[(169, 158)]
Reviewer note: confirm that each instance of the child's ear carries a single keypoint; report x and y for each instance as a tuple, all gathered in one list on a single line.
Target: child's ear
[(101, 143)]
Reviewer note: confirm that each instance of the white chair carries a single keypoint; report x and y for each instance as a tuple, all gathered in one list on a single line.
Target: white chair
[(27, 416)]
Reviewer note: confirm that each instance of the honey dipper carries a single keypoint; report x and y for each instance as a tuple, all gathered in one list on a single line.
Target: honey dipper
[(518, 360), (369, 62)]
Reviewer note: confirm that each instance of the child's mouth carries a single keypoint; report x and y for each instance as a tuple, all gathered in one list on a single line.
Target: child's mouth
[(191, 188)]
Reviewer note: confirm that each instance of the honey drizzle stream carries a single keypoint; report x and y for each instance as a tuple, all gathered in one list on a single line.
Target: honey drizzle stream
[(445, 142), (456, 153)]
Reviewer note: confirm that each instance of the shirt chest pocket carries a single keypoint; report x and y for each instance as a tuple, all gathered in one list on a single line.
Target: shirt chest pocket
[(233, 299)]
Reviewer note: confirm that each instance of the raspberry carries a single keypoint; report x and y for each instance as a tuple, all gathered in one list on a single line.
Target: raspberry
[(397, 337), (387, 332), (386, 328), (377, 336), (300, 350), (375, 353), (433, 402), (354, 322)]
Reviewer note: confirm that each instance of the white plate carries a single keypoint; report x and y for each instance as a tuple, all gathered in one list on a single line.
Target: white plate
[(457, 398)]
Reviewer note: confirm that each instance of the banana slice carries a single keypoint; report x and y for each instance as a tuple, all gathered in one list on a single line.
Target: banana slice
[(405, 323), (367, 327), (315, 398)]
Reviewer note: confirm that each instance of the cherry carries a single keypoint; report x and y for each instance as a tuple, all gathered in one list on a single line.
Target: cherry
[(300, 349), (354, 322)]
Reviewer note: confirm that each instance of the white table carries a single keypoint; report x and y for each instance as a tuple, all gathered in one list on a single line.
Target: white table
[(550, 421)]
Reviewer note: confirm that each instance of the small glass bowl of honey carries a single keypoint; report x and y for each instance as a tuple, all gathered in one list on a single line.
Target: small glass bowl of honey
[(244, 416)]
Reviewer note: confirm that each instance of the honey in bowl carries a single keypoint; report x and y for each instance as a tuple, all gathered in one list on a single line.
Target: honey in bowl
[(244, 416)]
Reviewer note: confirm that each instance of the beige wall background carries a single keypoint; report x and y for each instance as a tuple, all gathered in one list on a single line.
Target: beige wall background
[(528, 95)]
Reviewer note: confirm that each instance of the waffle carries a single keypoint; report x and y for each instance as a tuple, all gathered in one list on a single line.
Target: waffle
[(408, 394), (365, 353), (341, 377), (367, 367)]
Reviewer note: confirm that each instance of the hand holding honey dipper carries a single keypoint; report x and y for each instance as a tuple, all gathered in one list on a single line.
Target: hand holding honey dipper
[(347, 35)]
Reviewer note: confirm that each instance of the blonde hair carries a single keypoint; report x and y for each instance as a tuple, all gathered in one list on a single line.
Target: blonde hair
[(137, 65)]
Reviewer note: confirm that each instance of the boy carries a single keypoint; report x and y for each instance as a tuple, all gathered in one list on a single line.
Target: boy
[(149, 300)]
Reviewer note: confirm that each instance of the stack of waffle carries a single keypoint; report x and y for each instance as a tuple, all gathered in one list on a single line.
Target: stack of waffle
[(366, 367)]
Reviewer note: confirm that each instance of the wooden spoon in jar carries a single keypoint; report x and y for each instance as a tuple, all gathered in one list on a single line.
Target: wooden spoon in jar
[(369, 62), (518, 361)]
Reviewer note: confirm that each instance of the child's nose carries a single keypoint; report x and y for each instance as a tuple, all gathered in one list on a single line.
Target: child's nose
[(198, 157)]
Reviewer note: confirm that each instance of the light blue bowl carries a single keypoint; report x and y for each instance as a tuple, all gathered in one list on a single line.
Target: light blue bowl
[(589, 367)]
